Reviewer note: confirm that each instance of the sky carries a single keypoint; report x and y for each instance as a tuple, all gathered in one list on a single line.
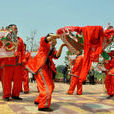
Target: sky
[(47, 16)]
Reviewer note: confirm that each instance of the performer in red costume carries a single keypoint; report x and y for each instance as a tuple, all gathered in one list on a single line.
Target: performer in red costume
[(109, 80), (26, 77), (75, 74), (93, 41), (44, 69), (0, 68), (12, 70)]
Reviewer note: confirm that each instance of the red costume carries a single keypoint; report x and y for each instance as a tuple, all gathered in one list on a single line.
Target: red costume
[(93, 40), (109, 80), (12, 70), (0, 68), (76, 70), (43, 68), (26, 77)]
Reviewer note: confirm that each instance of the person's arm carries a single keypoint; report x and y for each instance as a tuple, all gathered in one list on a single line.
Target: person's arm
[(23, 52), (58, 54), (52, 36)]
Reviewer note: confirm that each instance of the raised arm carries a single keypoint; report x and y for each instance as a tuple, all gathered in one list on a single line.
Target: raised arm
[(52, 37)]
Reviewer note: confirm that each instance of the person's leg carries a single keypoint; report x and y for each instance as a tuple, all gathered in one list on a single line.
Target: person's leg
[(73, 83), (26, 81), (90, 79), (112, 85), (65, 77), (36, 79), (93, 80), (6, 79), (79, 87), (108, 84), (45, 85), (17, 82)]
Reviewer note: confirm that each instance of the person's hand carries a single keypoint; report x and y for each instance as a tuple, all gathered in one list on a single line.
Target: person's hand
[(52, 37), (55, 36)]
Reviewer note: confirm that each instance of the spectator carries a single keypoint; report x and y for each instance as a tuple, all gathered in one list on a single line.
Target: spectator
[(91, 76), (65, 71)]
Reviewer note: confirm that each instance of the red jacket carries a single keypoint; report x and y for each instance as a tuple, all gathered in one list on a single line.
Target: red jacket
[(20, 52), (27, 57), (41, 58)]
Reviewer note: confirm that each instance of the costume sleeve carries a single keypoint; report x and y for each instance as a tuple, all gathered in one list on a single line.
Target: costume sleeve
[(70, 29), (22, 51), (27, 57), (44, 43)]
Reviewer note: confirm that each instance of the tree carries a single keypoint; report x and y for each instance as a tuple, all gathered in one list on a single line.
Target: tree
[(59, 68), (32, 41), (66, 57)]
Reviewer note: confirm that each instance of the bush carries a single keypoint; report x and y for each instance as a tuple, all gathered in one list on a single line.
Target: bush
[(99, 76), (59, 75)]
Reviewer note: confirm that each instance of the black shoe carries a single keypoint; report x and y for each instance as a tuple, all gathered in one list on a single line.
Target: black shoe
[(36, 103), (6, 99), (26, 92), (110, 96), (17, 98), (45, 109)]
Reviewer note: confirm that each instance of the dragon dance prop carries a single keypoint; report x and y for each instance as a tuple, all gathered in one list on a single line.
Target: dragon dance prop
[(93, 41), (73, 42), (8, 43)]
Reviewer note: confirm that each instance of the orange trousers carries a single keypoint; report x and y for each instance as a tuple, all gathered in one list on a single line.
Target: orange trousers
[(46, 86), (109, 84), (1, 74), (75, 81), (9, 74), (26, 81)]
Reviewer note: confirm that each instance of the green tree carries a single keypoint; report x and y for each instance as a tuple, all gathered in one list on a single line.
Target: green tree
[(66, 57), (59, 70)]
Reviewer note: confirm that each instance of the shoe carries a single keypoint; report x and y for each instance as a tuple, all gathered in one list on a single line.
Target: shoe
[(45, 109), (6, 99), (17, 98), (110, 96), (26, 92), (36, 103)]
